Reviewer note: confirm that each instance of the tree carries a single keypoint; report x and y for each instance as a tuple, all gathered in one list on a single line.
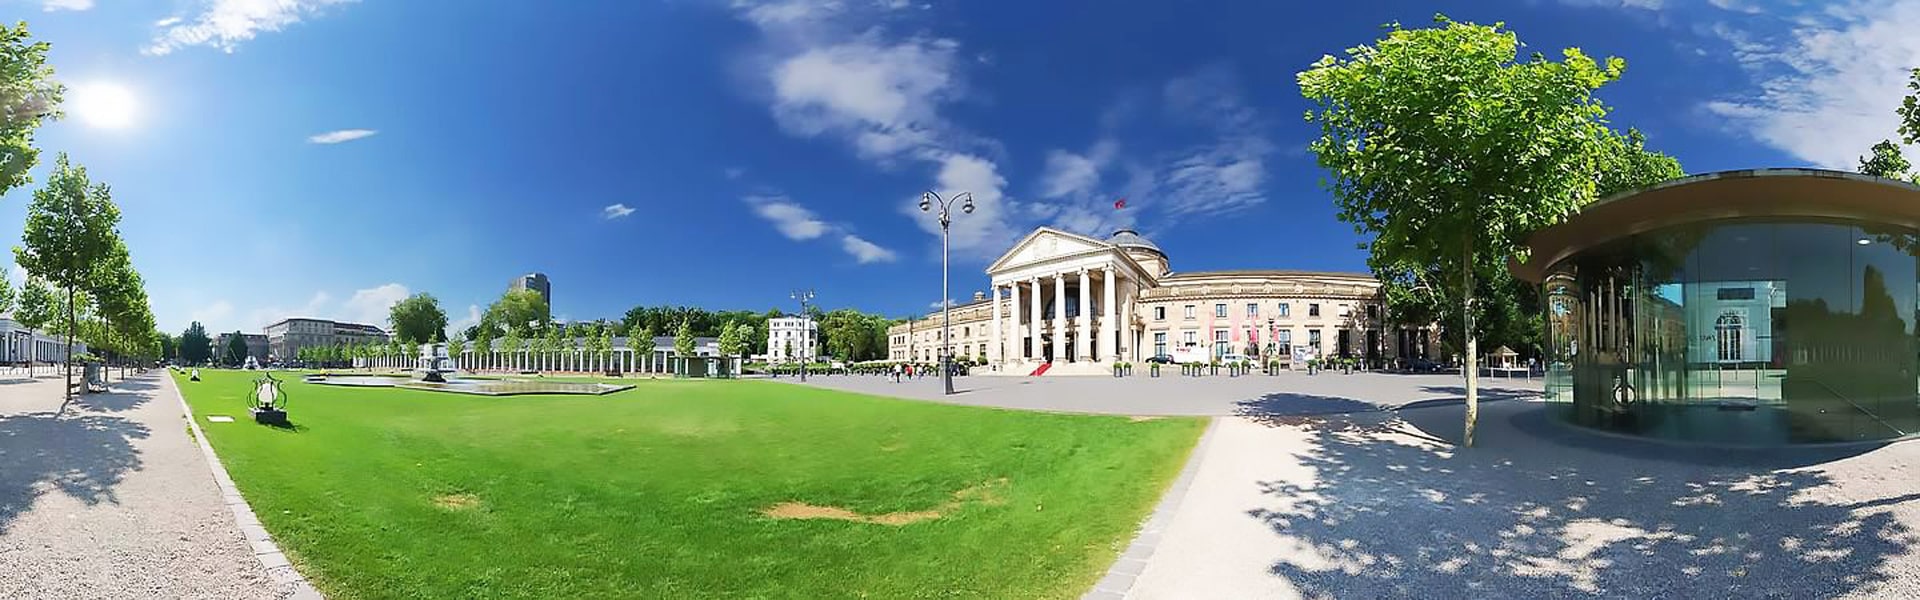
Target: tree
[(195, 346), (510, 344), (6, 292), (483, 346), (1886, 161), (683, 343), (517, 310), (418, 319), (236, 350), (1448, 152), (1909, 111), (72, 226), (640, 341), (29, 97), (603, 344)]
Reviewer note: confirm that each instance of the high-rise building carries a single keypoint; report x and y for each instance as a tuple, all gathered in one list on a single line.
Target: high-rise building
[(536, 282)]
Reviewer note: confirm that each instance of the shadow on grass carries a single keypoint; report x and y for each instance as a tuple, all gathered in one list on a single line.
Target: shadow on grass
[(83, 456), (1538, 510)]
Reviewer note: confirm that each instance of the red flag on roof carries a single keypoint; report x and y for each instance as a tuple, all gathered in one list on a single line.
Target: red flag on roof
[(1120, 204)]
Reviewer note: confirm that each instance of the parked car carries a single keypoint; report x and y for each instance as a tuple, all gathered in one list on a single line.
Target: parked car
[(1233, 357), (1160, 359), (1421, 365)]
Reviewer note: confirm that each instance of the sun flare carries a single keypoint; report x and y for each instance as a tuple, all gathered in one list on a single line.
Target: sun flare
[(103, 105)]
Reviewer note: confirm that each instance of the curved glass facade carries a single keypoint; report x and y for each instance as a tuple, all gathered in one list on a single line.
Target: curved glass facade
[(1755, 331)]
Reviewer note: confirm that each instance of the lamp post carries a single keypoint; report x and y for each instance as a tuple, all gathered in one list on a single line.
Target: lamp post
[(927, 202), (806, 328)]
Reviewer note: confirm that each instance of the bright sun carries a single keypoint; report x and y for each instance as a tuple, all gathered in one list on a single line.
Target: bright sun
[(103, 105)]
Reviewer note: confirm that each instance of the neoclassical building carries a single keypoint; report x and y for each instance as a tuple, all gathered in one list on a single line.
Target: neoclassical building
[(1078, 304)]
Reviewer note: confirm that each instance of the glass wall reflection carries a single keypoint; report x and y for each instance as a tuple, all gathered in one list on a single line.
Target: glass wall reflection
[(1740, 331)]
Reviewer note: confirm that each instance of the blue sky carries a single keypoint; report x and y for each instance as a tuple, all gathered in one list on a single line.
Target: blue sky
[(722, 154)]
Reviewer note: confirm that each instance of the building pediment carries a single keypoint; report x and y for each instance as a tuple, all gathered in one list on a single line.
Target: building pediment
[(1045, 244)]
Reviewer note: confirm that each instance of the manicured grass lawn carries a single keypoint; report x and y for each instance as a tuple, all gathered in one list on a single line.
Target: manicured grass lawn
[(658, 491)]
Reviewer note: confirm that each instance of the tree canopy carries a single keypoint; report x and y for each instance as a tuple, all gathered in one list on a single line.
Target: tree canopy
[(517, 311), (1909, 110), (29, 97), (1446, 149), (419, 319), (1886, 161)]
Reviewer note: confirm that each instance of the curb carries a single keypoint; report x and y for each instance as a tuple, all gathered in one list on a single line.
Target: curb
[(1126, 569), (279, 569)]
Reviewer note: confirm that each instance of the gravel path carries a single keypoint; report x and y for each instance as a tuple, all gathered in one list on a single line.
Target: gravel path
[(1383, 505), (113, 500)]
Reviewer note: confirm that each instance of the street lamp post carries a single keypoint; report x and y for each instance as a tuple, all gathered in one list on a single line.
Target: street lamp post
[(806, 328), (927, 202)]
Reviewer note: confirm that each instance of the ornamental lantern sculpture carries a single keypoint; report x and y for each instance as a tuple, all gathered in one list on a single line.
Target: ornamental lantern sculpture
[(269, 402)]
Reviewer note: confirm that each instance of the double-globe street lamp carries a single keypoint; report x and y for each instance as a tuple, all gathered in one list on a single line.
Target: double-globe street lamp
[(927, 202), (806, 327)]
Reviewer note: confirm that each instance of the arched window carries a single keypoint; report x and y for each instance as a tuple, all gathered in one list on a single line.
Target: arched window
[(1728, 330)]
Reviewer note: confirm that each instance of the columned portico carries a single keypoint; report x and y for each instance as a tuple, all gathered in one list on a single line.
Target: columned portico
[(1109, 330), (1034, 352), (994, 340), (1075, 325)]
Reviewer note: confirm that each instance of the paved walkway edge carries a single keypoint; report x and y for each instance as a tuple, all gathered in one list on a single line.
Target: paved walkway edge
[(1119, 580), (278, 567)]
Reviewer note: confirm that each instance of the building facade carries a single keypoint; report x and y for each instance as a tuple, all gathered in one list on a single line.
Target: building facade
[(791, 339), (1079, 304), (286, 337), (1774, 306), (257, 346), (536, 282), (20, 345)]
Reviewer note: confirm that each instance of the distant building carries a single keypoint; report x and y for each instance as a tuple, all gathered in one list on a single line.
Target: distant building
[(19, 344), (257, 346), (286, 337), (536, 282), (788, 338)]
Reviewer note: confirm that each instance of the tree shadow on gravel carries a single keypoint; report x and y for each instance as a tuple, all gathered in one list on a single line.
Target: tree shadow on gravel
[(121, 396), (1539, 510), (1287, 404), (82, 456)]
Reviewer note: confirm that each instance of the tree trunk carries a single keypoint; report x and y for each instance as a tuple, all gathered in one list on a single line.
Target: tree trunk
[(1472, 363), (69, 361)]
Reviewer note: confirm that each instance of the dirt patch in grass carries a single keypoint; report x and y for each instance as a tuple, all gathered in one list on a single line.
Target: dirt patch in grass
[(1142, 419), (457, 501), (988, 493)]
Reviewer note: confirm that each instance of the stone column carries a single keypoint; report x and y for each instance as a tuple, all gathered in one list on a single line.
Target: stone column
[(1126, 324), (1033, 322), (1083, 339), (1059, 316), (1014, 341), (993, 344), (1107, 349)]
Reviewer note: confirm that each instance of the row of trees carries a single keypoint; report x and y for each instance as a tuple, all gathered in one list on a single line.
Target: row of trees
[(80, 276)]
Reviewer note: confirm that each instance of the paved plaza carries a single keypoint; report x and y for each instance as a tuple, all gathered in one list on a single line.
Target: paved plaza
[(113, 499), (1288, 393)]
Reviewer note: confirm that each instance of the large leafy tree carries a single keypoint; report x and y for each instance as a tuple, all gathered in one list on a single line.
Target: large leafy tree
[(418, 319), (519, 311), (72, 230), (640, 342), (195, 346), (683, 343), (1885, 160), (1909, 111), (6, 292), (603, 342), (1447, 149), (29, 97), (236, 350)]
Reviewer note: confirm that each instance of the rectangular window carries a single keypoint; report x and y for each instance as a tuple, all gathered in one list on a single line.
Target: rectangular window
[(1159, 313), (1188, 339), (1745, 293), (1313, 338), (1285, 341), (1189, 312), (1313, 310), (1160, 343), (1253, 309), (1373, 312), (1283, 309), (1345, 310), (1220, 310), (1220, 344)]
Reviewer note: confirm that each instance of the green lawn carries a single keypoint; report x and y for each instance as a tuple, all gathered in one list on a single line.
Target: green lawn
[(658, 491)]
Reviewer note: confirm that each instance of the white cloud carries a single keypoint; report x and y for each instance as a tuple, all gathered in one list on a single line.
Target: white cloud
[(990, 228), (224, 24), (793, 220), (881, 96), (735, 172), (167, 22), (1068, 173), (1639, 4), (615, 211), (1228, 173), (213, 315), (1827, 86), (55, 5), (372, 305), (460, 325), (864, 251), (343, 135)]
